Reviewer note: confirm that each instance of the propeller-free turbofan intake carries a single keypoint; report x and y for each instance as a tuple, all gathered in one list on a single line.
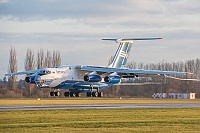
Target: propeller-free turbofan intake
[(112, 79), (33, 79), (92, 78), (30, 79)]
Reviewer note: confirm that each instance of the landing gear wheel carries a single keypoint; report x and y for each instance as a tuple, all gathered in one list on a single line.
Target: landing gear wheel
[(71, 94), (78, 94), (52, 93), (89, 94), (100, 94), (94, 94), (57, 93), (66, 94)]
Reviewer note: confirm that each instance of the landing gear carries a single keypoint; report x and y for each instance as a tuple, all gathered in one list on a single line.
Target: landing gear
[(94, 94), (89, 94), (100, 94), (72, 94), (55, 93)]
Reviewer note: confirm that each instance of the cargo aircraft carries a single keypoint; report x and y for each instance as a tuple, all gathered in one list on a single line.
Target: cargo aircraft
[(91, 80)]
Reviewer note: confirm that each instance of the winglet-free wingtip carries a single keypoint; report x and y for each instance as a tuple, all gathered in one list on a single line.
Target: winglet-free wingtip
[(189, 73), (8, 74)]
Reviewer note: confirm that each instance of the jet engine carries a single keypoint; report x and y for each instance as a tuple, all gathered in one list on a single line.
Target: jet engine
[(112, 79), (33, 79), (92, 78), (30, 79)]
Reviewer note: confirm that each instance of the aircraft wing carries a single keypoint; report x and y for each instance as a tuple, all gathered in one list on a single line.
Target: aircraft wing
[(23, 72), (131, 71)]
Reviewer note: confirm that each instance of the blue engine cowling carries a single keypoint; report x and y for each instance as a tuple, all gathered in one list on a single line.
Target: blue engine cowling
[(92, 78), (30, 79), (112, 79)]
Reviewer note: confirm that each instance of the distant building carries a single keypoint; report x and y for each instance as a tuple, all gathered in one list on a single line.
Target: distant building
[(181, 95), (174, 95)]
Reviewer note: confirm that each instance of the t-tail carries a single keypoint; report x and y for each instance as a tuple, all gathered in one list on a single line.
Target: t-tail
[(122, 53)]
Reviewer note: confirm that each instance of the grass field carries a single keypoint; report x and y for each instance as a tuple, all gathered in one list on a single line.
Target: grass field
[(102, 120), (69, 101), (99, 120)]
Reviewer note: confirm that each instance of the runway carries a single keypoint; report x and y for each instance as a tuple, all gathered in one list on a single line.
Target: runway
[(97, 106)]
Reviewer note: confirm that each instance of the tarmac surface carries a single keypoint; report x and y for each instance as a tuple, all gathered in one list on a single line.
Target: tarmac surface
[(97, 106)]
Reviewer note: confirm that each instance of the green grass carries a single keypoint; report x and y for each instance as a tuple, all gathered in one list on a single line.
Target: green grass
[(102, 120), (69, 101)]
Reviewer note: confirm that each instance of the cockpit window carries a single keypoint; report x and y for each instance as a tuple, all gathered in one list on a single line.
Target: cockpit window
[(44, 72)]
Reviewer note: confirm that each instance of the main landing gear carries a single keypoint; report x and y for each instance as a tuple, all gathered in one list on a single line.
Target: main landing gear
[(55, 92), (72, 94), (94, 94), (90, 93)]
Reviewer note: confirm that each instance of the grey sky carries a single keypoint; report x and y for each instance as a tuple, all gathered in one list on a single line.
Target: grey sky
[(75, 28)]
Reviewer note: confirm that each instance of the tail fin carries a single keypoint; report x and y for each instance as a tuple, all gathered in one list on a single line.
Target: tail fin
[(122, 53)]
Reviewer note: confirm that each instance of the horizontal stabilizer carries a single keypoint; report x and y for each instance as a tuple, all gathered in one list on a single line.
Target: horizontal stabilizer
[(129, 39)]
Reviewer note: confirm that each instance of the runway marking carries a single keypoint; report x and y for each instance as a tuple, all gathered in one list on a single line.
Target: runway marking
[(98, 106)]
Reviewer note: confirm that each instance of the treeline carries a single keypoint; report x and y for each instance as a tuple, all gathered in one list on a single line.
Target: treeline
[(160, 83), (12, 88)]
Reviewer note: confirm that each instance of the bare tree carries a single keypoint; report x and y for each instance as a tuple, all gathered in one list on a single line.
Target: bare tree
[(12, 67), (197, 66), (48, 59), (40, 59), (110, 60), (56, 59), (29, 63), (132, 65)]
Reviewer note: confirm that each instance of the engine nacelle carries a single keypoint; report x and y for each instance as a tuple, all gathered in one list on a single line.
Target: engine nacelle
[(33, 79), (30, 79), (112, 79), (92, 78)]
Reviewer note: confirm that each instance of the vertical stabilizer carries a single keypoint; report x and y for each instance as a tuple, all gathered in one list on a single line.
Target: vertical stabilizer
[(121, 55)]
